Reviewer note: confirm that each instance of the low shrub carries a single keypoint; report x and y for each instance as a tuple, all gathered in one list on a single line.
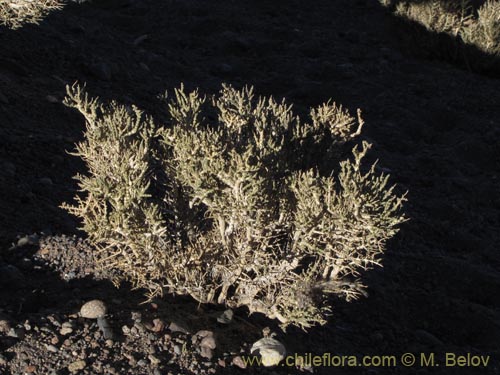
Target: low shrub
[(462, 31), (229, 208), (16, 13)]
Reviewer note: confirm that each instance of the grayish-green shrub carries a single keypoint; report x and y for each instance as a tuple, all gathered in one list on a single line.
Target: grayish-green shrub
[(223, 209)]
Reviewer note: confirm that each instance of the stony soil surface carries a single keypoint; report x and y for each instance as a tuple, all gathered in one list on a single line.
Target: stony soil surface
[(434, 126)]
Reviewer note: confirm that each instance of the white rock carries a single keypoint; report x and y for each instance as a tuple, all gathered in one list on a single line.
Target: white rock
[(93, 309), (271, 351)]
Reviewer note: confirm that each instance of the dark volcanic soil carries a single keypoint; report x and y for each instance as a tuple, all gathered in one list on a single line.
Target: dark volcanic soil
[(434, 126)]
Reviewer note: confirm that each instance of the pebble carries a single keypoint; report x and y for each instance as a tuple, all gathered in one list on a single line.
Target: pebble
[(27, 326), (17, 333), (105, 327), (65, 331), (154, 361), (77, 366), (177, 349), (125, 330), (158, 325), (271, 351), (3, 360), (93, 309), (226, 317), (206, 352), (52, 348), (208, 342), (238, 362), (203, 333), (174, 327), (142, 363), (4, 326), (30, 369), (27, 240)]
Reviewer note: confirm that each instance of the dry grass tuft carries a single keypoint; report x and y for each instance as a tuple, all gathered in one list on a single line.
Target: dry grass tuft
[(15, 13), (471, 25)]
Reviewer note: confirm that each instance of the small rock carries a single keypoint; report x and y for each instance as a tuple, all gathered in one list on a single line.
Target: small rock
[(17, 333), (105, 328), (126, 330), (154, 361), (54, 320), (3, 360), (206, 352), (177, 349), (4, 326), (30, 369), (27, 240), (174, 327), (65, 331), (52, 348), (138, 327), (131, 359), (221, 362), (158, 325), (204, 333), (226, 317), (142, 363), (27, 326), (208, 342), (271, 351), (136, 316), (238, 362), (93, 309), (77, 366)]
